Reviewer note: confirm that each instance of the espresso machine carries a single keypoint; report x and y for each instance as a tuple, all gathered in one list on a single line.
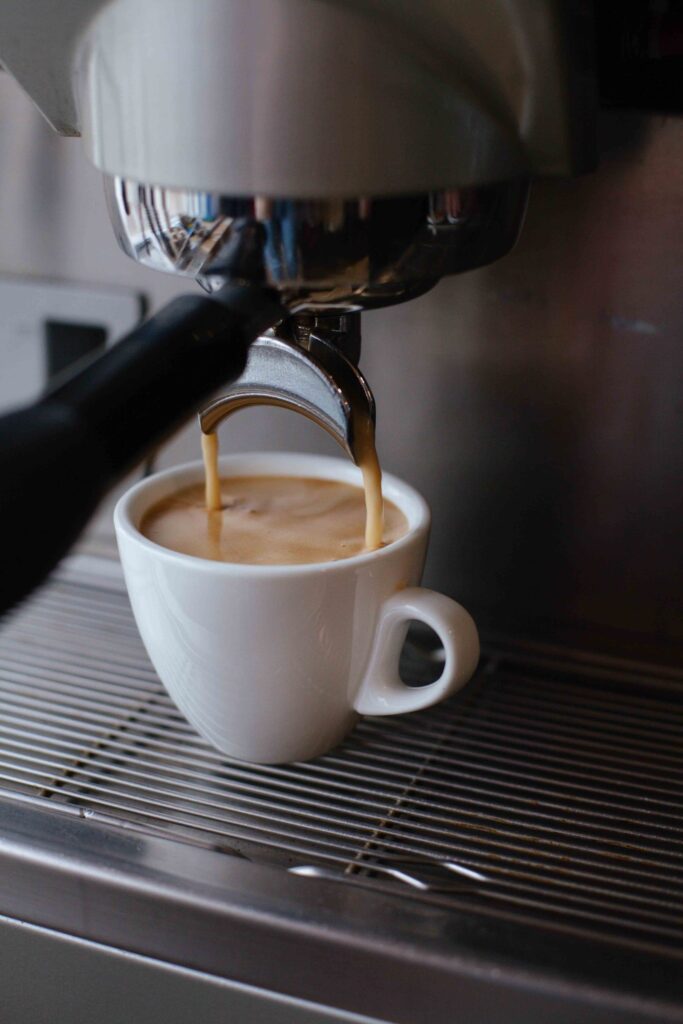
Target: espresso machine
[(514, 855), (297, 187)]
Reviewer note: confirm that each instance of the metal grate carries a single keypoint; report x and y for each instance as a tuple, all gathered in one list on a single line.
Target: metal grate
[(552, 787)]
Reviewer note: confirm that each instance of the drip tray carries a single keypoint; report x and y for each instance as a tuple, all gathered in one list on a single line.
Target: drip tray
[(547, 795)]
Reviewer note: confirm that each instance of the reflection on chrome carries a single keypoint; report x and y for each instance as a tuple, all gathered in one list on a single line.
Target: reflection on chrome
[(339, 254)]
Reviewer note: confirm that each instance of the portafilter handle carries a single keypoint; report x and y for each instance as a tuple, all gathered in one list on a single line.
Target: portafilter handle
[(59, 456), (317, 381)]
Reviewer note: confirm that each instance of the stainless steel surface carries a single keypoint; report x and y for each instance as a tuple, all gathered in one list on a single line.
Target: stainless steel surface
[(546, 791), (318, 382), (344, 949), (426, 874), (340, 254), (537, 405), (113, 986)]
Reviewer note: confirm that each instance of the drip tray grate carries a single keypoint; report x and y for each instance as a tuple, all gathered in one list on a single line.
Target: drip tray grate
[(549, 787)]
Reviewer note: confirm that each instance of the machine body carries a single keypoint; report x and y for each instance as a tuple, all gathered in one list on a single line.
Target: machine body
[(311, 98), (317, 156)]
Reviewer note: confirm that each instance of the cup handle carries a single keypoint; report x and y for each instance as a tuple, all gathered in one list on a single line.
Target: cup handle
[(382, 691)]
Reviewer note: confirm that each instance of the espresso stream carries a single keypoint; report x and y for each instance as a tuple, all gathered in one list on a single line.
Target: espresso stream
[(369, 466), (211, 477)]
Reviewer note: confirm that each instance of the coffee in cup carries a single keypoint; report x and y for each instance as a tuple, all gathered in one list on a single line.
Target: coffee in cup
[(269, 520), (368, 463)]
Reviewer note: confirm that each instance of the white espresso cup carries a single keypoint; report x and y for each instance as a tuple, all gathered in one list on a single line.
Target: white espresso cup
[(274, 663)]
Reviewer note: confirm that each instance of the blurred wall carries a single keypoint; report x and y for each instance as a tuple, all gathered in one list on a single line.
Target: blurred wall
[(537, 403)]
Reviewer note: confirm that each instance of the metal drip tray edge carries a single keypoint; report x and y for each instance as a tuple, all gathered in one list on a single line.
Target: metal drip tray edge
[(262, 926)]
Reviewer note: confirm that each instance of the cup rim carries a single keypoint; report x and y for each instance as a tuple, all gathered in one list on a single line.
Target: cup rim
[(409, 500)]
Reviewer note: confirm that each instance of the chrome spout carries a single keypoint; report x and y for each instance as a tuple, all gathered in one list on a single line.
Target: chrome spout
[(317, 381)]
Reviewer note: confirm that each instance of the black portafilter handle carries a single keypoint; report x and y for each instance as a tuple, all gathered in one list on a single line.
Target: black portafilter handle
[(59, 457)]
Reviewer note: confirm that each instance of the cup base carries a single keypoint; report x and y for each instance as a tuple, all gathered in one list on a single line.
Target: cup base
[(286, 754)]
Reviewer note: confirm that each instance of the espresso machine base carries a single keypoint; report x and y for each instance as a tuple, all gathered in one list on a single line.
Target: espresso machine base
[(153, 989), (514, 854)]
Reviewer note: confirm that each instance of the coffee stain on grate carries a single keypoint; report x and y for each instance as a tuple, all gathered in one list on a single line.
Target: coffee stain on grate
[(553, 783)]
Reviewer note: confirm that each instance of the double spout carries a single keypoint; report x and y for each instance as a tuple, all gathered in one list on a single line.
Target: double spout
[(307, 366)]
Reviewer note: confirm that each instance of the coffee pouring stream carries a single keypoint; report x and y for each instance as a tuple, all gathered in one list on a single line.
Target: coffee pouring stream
[(301, 366), (312, 377)]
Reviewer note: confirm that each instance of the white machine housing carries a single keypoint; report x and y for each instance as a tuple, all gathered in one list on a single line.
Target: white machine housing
[(309, 98)]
